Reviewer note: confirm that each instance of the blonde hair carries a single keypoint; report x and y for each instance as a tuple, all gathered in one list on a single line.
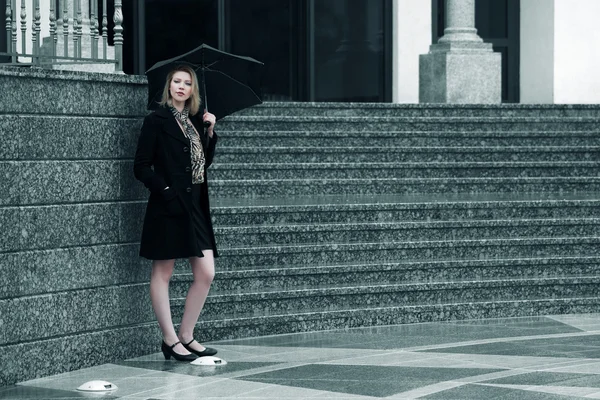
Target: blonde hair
[(194, 101)]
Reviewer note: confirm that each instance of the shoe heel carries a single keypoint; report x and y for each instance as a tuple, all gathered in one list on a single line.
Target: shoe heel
[(165, 351)]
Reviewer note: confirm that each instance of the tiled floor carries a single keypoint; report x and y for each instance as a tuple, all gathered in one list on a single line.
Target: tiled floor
[(552, 357)]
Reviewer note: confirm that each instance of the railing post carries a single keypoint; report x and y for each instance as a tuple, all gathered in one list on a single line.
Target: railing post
[(94, 28), (8, 14), (104, 28), (35, 34), (53, 37), (118, 40), (23, 27), (75, 28), (65, 28), (78, 32), (14, 31)]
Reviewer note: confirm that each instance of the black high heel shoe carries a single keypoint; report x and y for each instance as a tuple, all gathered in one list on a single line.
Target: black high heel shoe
[(168, 352), (208, 351)]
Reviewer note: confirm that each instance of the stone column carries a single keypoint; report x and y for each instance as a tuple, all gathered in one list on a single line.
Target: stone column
[(460, 68)]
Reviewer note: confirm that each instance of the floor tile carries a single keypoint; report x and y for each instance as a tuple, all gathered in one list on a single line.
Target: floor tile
[(493, 393), (20, 392), (569, 347), (185, 368), (376, 381)]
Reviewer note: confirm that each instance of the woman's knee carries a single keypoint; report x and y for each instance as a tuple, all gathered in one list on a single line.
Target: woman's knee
[(208, 275), (203, 269), (204, 274)]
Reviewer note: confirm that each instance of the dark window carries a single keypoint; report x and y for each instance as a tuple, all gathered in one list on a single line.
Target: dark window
[(349, 50), (334, 50), (174, 27), (269, 31)]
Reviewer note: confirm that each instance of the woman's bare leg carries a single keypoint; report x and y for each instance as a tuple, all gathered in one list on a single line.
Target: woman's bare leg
[(159, 294), (203, 269)]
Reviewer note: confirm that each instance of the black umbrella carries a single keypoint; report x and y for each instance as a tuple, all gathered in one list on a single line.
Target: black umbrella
[(228, 82)]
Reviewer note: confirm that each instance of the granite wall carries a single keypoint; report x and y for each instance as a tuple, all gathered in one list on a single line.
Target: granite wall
[(73, 290)]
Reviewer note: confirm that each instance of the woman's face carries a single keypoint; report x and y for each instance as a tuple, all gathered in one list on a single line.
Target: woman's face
[(181, 86)]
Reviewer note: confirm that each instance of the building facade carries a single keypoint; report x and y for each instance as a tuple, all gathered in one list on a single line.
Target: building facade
[(366, 50)]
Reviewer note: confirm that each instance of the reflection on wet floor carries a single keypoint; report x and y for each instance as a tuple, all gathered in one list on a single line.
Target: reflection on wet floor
[(547, 357)]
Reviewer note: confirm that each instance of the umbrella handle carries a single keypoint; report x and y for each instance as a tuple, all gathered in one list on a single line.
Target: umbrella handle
[(207, 124)]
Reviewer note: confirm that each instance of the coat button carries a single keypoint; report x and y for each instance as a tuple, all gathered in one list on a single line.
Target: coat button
[(189, 190), (186, 149), (188, 169)]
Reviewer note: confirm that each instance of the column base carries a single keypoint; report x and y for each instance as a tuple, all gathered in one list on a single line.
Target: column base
[(470, 76)]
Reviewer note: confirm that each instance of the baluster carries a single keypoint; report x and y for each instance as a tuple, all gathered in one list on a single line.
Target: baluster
[(53, 36), (23, 28), (94, 28), (66, 28), (104, 28), (8, 13), (75, 48), (35, 34), (118, 20), (79, 32), (14, 31)]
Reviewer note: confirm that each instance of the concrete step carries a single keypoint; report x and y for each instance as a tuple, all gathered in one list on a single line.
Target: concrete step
[(406, 271), (330, 138), (409, 124), (386, 154), (249, 326), (367, 171), (401, 186), (392, 231), (383, 208), (283, 302), (279, 256), (369, 110)]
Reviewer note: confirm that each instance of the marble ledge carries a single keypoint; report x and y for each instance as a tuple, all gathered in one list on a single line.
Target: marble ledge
[(506, 106), (44, 73)]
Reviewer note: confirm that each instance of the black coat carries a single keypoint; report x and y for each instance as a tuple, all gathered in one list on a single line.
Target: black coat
[(163, 159)]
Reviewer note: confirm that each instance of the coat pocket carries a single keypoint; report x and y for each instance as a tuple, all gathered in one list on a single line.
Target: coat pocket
[(171, 204)]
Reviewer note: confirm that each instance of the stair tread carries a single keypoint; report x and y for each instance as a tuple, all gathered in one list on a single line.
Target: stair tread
[(379, 310), (387, 266), (421, 106), (354, 149), (394, 133), (411, 180), (249, 204), (383, 225), (333, 246), (340, 289), (418, 165), (377, 118)]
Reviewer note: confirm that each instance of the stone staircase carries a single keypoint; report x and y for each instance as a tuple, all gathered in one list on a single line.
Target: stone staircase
[(342, 215)]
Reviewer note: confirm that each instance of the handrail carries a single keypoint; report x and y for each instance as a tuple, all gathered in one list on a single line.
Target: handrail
[(74, 37)]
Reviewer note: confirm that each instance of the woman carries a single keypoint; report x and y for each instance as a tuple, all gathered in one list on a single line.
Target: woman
[(171, 160)]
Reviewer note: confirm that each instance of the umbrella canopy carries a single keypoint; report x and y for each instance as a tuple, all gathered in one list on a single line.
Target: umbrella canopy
[(228, 82)]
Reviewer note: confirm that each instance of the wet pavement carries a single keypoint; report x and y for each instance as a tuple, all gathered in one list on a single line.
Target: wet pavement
[(549, 357)]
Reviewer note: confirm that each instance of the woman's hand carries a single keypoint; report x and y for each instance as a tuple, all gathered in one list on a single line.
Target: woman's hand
[(212, 119)]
